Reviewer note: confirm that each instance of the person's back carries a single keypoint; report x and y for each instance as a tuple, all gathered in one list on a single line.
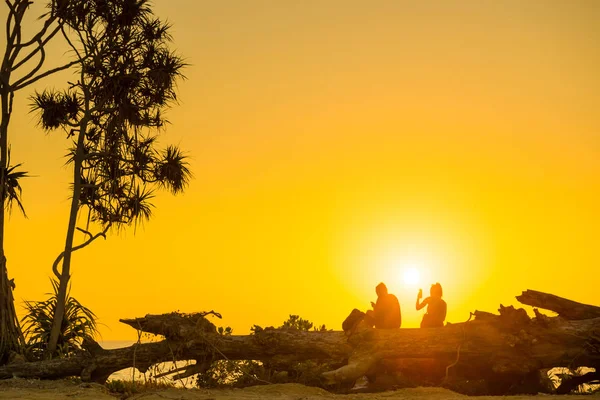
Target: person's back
[(436, 313), (387, 312)]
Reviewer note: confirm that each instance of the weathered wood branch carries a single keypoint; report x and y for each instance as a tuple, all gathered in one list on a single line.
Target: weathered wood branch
[(571, 383), (174, 325), (565, 308)]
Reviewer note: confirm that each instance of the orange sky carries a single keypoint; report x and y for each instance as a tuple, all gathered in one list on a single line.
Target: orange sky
[(336, 142)]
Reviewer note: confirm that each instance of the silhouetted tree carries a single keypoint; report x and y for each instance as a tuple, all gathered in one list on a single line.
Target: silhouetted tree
[(113, 112), (22, 63)]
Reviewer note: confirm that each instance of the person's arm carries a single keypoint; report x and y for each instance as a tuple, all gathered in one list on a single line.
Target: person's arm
[(423, 304), (444, 309), (380, 310)]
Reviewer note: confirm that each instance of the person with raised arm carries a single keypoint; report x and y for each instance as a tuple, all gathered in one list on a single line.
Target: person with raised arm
[(436, 307)]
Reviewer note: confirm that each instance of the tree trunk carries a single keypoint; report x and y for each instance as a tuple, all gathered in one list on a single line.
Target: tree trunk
[(503, 350), (65, 273), (11, 338), (10, 331)]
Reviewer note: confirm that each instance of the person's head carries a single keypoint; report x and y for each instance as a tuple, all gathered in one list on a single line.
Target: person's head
[(381, 289), (436, 290)]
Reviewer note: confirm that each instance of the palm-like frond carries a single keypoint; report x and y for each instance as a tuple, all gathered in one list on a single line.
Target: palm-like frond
[(138, 206), (173, 172), (12, 188), (55, 109)]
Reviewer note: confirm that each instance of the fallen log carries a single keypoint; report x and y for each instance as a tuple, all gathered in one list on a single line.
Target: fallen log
[(503, 348), (565, 308), (506, 344), (94, 366), (97, 364)]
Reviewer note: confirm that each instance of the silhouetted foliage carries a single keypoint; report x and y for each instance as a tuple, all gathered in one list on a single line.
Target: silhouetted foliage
[(128, 75), (295, 322), (113, 112), (79, 324), (12, 187)]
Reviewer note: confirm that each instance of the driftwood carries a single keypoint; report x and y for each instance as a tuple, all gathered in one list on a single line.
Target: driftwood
[(572, 382), (565, 308), (505, 351)]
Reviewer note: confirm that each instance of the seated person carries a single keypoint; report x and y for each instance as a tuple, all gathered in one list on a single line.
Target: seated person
[(386, 312), (436, 307)]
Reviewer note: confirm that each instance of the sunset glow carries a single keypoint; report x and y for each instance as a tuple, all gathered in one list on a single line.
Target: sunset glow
[(338, 144), (411, 276)]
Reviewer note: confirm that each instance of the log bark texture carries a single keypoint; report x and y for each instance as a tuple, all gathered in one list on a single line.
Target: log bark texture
[(508, 347)]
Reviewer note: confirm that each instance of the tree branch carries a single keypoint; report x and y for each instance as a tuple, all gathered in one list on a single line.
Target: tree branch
[(42, 43), (19, 11), (10, 39), (41, 33), (11, 13), (21, 85), (84, 232), (35, 69), (81, 246), (62, 29)]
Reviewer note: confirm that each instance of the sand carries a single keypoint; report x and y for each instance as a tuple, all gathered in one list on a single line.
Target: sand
[(45, 390)]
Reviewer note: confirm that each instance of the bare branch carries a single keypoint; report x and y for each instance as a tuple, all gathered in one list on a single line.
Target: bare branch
[(84, 232), (20, 85), (170, 372), (35, 69), (19, 11), (42, 32), (211, 312), (42, 43), (55, 265), (90, 240), (11, 13), (62, 29), (35, 39), (10, 38), (81, 246)]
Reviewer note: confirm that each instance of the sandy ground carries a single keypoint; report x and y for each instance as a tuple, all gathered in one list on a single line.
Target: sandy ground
[(45, 390)]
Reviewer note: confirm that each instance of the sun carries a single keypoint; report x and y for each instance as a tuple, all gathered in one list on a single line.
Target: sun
[(411, 275)]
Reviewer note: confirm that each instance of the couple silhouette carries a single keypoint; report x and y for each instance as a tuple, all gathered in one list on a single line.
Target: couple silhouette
[(386, 312)]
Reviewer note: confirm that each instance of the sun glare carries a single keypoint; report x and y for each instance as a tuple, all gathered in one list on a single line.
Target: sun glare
[(411, 275)]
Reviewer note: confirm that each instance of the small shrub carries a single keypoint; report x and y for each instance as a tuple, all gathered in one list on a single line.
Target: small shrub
[(79, 324)]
